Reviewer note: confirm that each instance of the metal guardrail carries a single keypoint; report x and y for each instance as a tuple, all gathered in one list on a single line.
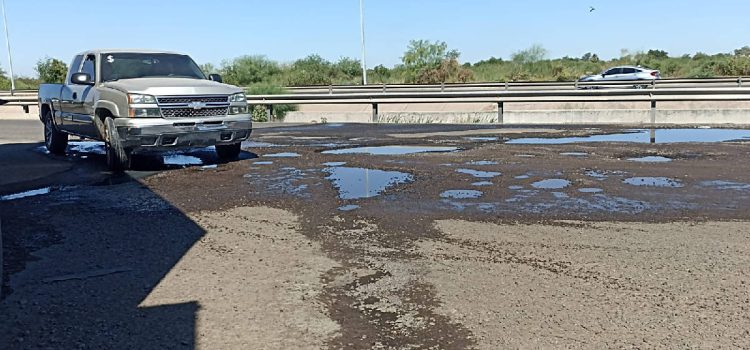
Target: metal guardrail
[(502, 97)]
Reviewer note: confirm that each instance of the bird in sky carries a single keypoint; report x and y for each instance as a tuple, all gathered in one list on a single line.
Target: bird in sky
[(591, 9)]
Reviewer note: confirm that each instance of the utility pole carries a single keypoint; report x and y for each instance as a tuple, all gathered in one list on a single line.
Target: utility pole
[(362, 28), (10, 60)]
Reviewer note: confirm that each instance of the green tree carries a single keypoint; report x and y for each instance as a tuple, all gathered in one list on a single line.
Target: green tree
[(311, 70), (249, 70), (657, 54), (429, 62), (51, 70), (209, 68), (743, 51), (348, 69), (533, 54)]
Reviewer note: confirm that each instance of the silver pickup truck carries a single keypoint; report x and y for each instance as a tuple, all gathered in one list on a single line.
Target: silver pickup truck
[(139, 101)]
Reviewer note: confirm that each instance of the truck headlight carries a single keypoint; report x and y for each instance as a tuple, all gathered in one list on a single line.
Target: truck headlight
[(138, 99), (238, 110), (145, 113), (239, 97)]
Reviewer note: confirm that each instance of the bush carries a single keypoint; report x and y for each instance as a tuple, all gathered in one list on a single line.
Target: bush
[(259, 112), (51, 70)]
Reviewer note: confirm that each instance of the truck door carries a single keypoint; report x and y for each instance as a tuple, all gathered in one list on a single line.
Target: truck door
[(78, 102), (63, 116)]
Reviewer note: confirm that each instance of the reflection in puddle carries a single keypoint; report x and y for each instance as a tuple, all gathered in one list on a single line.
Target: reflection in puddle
[(483, 139), (643, 136), (391, 150), (602, 175), (522, 177), (31, 193), (515, 187), (590, 190), (461, 194), (482, 162), (181, 160), (357, 183), (725, 185), (574, 154), (282, 181), (551, 184), (482, 183), (282, 155), (349, 207), (560, 195), (334, 164), (653, 182), (263, 163), (478, 173), (211, 166), (651, 159), (258, 144), (94, 147)]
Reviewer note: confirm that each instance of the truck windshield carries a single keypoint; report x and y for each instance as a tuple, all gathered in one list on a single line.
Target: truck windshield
[(115, 66)]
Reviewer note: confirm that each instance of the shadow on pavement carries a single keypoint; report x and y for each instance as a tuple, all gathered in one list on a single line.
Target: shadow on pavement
[(79, 261)]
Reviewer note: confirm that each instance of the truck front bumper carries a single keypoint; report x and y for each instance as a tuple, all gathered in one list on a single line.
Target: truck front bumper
[(142, 135)]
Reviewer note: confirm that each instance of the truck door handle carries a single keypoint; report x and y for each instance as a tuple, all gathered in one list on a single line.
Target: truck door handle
[(75, 96)]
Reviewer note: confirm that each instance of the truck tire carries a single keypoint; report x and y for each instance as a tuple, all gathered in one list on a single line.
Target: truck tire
[(228, 152), (118, 158), (55, 141)]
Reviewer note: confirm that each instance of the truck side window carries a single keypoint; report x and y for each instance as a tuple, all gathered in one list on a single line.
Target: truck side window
[(74, 66), (89, 67)]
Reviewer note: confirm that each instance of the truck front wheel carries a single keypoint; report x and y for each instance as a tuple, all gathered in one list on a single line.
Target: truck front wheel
[(228, 152), (55, 141), (118, 158)]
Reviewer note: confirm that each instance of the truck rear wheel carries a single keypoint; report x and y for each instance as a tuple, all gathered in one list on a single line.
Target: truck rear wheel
[(118, 158), (228, 152), (55, 141)]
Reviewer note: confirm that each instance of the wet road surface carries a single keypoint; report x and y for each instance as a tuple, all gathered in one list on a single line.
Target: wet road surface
[(366, 236)]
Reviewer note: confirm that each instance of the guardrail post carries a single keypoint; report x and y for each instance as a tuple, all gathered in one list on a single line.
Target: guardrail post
[(330, 89), (575, 84), (269, 112), (653, 121), (442, 87), (25, 109), (384, 88), (500, 112), (739, 82), (374, 113), (506, 85), (653, 84)]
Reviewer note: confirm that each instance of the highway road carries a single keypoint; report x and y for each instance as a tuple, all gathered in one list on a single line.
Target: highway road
[(364, 236)]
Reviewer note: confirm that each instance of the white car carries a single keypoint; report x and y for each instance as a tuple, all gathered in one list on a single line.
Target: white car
[(624, 73)]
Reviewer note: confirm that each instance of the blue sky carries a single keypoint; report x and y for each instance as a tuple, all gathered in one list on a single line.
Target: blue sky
[(285, 30)]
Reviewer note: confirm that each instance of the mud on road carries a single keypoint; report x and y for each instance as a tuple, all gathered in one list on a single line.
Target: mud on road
[(328, 237)]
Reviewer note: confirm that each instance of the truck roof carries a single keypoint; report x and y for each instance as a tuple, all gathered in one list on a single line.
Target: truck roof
[(99, 51)]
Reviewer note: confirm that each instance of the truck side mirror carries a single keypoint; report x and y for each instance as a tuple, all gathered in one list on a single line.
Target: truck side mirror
[(81, 79), (216, 78)]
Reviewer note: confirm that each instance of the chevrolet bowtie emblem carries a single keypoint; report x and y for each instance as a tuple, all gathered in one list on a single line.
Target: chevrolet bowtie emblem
[(197, 105)]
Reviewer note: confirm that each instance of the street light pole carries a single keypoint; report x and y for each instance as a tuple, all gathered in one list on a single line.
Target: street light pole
[(362, 28), (10, 60)]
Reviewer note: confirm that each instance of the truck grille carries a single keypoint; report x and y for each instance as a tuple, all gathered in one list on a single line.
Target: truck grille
[(188, 99), (191, 113)]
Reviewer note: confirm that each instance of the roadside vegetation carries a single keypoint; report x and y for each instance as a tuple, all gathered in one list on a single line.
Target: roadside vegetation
[(434, 62)]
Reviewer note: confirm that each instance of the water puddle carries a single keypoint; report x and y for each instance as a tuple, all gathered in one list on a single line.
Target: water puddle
[(349, 207), (392, 150), (560, 195), (602, 175), (482, 183), (30, 193), (522, 177), (651, 159), (263, 163), (482, 162), (478, 173), (525, 155), (92, 147), (259, 144), (590, 190), (644, 136), (483, 139), (725, 185), (282, 155), (654, 182), (181, 160), (574, 154), (334, 164), (357, 183), (551, 184), (461, 194), (287, 180), (515, 187), (211, 166)]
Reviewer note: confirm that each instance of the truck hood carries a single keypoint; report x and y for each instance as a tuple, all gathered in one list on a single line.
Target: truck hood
[(172, 86)]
